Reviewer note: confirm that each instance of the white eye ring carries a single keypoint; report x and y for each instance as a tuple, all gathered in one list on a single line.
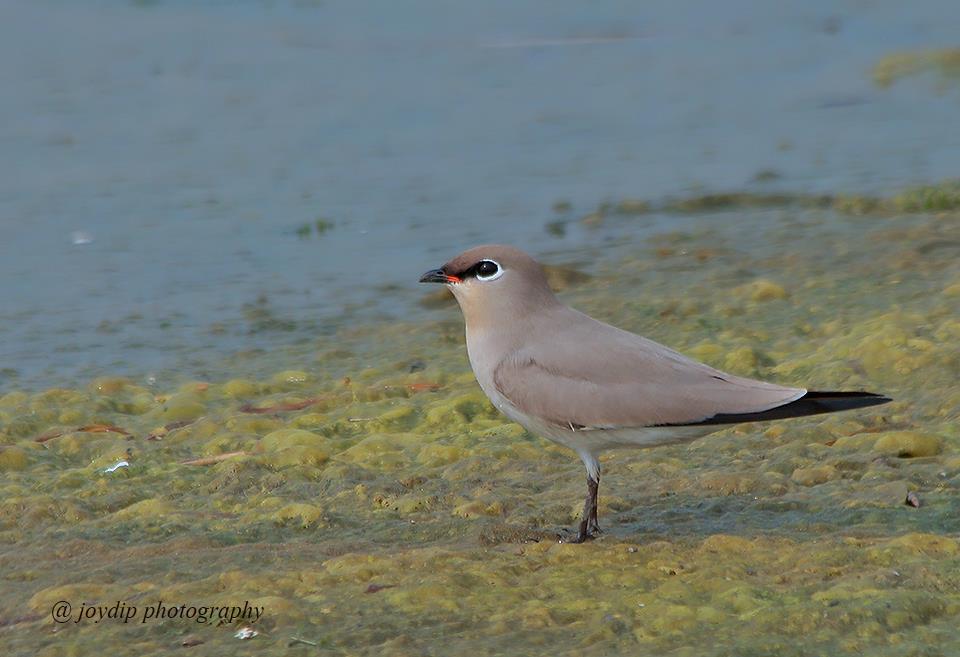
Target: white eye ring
[(494, 276)]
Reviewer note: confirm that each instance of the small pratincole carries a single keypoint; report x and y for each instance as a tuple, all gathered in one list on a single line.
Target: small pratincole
[(590, 386)]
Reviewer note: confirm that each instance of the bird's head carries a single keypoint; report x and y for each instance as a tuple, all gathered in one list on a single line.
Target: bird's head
[(493, 283)]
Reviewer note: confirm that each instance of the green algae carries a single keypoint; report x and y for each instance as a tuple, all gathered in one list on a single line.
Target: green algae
[(373, 507), (891, 68), (943, 196), (319, 227)]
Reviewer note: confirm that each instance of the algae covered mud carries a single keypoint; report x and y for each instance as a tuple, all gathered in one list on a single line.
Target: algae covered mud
[(374, 503)]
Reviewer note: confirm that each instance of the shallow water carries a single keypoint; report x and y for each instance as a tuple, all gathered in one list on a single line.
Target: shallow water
[(209, 406), (184, 145)]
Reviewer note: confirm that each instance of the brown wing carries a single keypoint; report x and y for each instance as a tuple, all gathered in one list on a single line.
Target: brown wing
[(593, 375)]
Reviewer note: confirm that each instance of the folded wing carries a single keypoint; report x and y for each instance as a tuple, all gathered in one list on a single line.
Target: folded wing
[(595, 376)]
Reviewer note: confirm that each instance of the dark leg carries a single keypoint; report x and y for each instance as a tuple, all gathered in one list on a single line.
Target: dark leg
[(589, 528), (594, 526)]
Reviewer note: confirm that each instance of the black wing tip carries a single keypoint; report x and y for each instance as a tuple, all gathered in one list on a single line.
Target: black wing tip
[(853, 394), (814, 402), (846, 399)]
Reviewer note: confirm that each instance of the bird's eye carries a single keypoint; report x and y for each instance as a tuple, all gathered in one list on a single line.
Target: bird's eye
[(487, 270)]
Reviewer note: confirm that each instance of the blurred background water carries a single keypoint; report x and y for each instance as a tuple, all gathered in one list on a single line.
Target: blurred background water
[(182, 181)]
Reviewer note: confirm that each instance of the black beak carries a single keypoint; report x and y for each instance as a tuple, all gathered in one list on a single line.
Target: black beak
[(436, 276)]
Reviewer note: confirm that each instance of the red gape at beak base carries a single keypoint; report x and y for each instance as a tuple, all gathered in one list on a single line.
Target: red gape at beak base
[(439, 276)]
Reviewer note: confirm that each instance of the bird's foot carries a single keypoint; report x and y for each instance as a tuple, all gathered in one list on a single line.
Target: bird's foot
[(589, 528), (585, 532)]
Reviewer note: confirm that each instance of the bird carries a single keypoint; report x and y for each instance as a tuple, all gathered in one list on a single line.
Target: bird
[(590, 386)]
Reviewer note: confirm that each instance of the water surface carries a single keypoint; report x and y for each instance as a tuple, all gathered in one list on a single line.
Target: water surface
[(191, 141)]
